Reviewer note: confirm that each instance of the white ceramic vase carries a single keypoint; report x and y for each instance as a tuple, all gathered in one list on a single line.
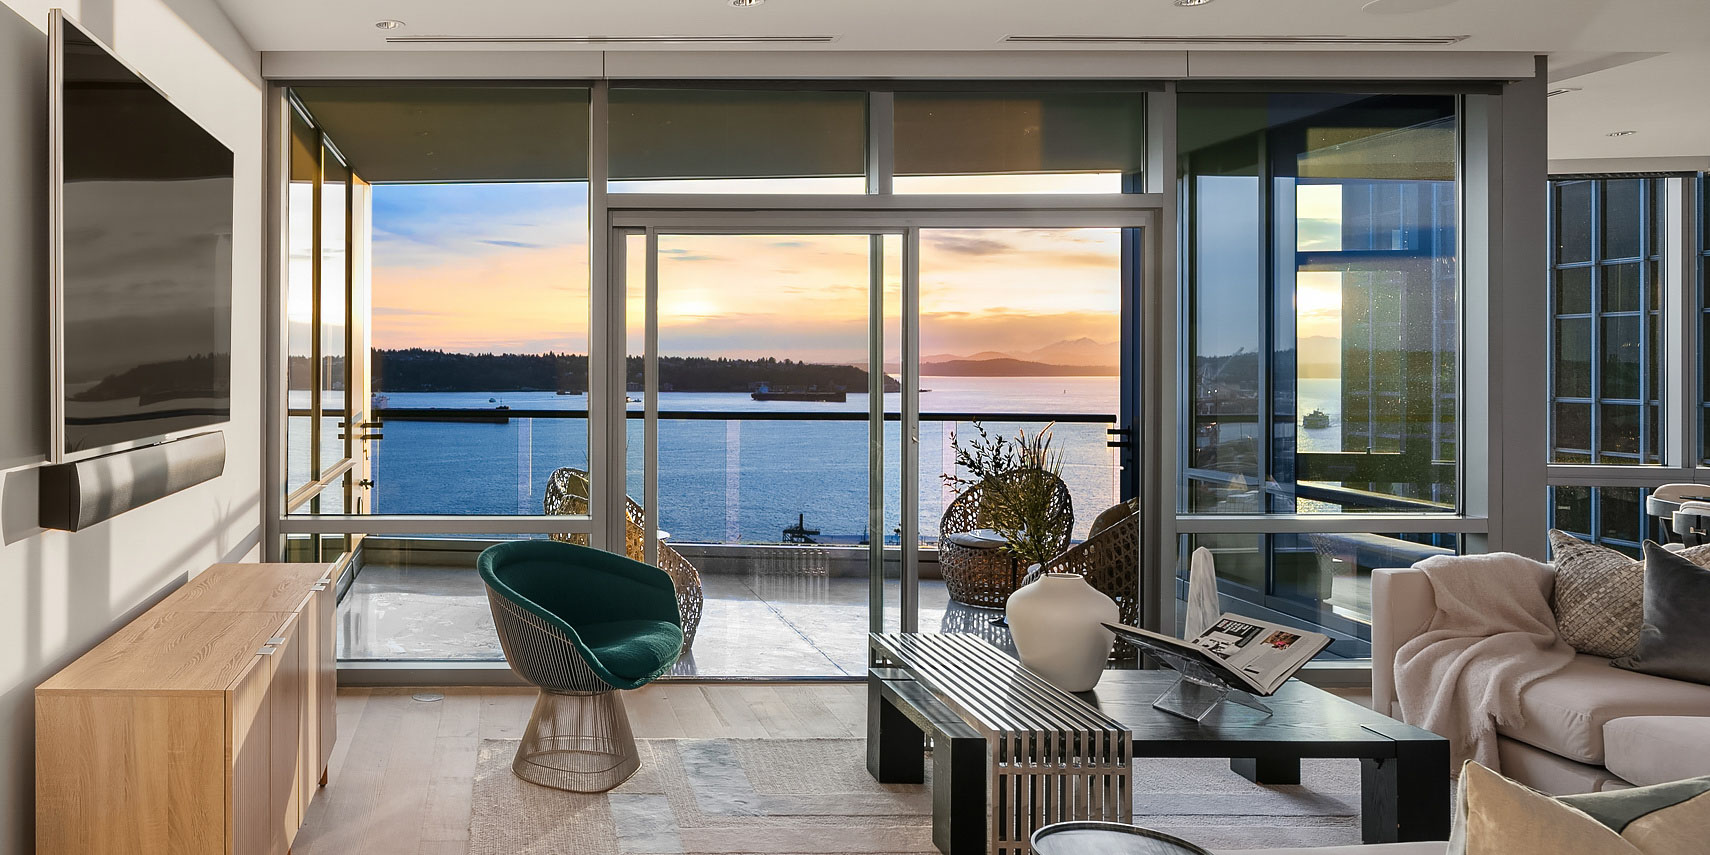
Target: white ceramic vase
[(1056, 624)]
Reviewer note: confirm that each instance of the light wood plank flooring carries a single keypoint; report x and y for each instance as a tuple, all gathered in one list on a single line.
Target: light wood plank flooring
[(402, 772)]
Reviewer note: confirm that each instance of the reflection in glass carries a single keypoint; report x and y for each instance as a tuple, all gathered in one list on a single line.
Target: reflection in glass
[(1573, 221), (1019, 142), (1606, 374), (1573, 291), (335, 221), (300, 374), (1703, 200), (1320, 582), (737, 141), (145, 279), (1612, 516), (1322, 353)]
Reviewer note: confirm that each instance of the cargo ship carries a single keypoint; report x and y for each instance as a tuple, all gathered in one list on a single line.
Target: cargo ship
[(766, 393)]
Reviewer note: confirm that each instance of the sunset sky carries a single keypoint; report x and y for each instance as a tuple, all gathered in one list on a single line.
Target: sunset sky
[(504, 268), (485, 268)]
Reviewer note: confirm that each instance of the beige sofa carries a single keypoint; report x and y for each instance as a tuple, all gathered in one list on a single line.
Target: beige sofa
[(1589, 727)]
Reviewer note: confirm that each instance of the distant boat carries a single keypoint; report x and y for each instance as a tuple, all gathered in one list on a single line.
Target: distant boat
[(765, 393), (800, 533), (1315, 420)]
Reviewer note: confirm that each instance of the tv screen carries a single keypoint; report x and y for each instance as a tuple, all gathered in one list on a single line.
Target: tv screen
[(144, 267)]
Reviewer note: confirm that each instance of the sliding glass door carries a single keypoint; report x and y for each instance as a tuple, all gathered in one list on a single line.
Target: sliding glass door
[(801, 404), (759, 372)]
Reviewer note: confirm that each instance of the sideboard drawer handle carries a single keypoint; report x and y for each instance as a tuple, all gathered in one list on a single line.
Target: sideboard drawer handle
[(265, 651), (276, 640)]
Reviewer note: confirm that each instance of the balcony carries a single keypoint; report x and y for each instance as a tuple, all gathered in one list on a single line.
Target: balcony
[(731, 483)]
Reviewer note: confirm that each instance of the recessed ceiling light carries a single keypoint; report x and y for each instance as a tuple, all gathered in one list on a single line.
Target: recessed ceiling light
[(744, 4), (1562, 91), (1191, 2), (1620, 133), (388, 24)]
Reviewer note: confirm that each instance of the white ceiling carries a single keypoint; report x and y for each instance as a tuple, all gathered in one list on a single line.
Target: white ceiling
[(1640, 64)]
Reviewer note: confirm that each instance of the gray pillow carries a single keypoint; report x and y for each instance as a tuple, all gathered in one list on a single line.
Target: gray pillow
[(1674, 640), (1600, 594)]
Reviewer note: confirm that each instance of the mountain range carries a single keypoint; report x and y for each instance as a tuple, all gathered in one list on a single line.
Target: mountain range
[(1077, 357)]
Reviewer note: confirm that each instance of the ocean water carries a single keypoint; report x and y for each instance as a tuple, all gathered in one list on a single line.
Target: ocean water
[(746, 481), (729, 481), (1319, 394)]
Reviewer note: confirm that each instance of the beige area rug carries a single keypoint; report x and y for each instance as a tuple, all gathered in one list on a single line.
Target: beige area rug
[(814, 796)]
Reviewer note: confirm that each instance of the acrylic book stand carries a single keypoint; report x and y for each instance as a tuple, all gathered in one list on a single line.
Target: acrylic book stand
[(1199, 690)]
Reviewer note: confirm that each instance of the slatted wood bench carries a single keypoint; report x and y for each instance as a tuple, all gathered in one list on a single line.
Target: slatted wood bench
[(1010, 752)]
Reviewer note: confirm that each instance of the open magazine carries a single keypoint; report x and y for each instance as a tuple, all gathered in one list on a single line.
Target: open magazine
[(1248, 654)]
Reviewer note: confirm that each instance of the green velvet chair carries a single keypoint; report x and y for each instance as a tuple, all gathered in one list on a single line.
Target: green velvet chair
[(580, 624)]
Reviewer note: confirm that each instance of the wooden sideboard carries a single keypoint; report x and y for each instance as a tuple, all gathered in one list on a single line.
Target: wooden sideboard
[(203, 727)]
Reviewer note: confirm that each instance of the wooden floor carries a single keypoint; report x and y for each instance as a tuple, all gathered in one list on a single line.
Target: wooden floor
[(402, 773)]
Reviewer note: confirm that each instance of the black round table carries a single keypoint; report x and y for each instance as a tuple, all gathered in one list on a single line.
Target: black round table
[(1108, 838)]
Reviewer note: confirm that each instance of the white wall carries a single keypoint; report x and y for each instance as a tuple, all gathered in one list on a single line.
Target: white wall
[(63, 592)]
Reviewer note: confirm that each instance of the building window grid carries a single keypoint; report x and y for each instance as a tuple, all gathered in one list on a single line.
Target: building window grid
[(1604, 503), (1701, 261), (1599, 406), (1608, 516)]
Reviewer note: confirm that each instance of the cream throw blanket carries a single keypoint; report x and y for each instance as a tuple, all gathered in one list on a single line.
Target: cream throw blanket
[(1492, 636)]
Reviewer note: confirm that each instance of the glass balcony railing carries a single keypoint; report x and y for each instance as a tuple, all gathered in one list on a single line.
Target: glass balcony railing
[(724, 477)]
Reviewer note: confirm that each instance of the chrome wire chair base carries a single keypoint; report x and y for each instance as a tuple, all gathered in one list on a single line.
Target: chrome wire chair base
[(577, 741)]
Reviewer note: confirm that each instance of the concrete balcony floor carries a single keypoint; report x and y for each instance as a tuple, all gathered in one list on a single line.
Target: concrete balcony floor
[(753, 625)]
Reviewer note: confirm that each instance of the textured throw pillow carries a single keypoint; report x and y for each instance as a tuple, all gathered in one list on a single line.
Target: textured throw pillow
[(1496, 816), (1600, 594), (1674, 640)]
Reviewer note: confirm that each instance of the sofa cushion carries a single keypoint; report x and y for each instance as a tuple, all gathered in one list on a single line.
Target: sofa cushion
[(633, 649), (1552, 773), (1599, 595), (1566, 711), (1675, 639), (1496, 816), (1652, 749)]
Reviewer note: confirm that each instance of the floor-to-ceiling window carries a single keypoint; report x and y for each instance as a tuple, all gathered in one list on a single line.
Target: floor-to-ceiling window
[(824, 287), (1321, 353), (750, 436), (452, 343)]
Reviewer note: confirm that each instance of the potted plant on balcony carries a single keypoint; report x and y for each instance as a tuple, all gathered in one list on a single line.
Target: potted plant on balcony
[(1013, 488)]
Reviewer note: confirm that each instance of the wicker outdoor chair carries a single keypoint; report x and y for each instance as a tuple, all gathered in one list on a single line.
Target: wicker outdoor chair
[(1110, 560), (982, 577), (567, 493), (581, 624)]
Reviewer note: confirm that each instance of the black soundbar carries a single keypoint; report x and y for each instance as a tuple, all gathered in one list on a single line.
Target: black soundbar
[(77, 495)]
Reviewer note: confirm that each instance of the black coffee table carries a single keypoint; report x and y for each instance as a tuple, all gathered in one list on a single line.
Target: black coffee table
[(1404, 770), (980, 707)]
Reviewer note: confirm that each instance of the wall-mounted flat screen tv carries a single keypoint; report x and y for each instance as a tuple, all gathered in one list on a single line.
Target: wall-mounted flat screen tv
[(141, 256)]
